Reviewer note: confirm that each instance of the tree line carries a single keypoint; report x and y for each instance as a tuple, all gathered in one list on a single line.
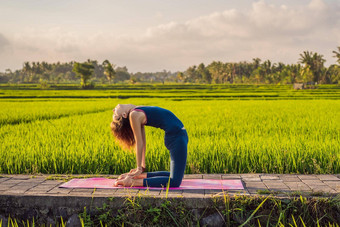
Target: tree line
[(309, 69)]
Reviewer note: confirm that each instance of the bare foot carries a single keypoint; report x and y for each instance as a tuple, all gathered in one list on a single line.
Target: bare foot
[(140, 176), (126, 182)]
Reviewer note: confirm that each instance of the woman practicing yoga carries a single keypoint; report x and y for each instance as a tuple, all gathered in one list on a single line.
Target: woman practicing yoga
[(128, 128)]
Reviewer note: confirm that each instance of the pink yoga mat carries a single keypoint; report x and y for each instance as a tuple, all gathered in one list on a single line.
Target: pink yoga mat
[(186, 184)]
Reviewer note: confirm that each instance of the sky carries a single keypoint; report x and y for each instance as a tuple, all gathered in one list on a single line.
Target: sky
[(153, 35)]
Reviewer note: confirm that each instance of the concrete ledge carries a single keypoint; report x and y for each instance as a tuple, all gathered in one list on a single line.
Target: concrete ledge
[(28, 196)]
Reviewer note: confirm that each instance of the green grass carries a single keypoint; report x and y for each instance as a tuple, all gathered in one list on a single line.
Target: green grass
[(225, 136), (18, 111), (232, 210), (171, 91)]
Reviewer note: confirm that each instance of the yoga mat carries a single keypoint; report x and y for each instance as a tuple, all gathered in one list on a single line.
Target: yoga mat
[(186, 184)]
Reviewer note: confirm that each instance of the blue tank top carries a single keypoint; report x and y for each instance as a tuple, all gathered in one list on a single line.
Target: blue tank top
[(161, 118)]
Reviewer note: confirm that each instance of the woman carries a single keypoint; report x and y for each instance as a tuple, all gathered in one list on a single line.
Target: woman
[(128, 128)]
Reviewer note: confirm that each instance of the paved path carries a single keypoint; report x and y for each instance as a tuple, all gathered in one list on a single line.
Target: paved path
[(255, 184), (39, 196)]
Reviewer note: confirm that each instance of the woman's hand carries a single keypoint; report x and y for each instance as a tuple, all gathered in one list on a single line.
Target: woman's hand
[(126, 182), (135, 172), (122, 176)]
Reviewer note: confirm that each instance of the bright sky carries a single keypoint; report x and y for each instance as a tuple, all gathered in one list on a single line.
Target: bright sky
[(152, 35)]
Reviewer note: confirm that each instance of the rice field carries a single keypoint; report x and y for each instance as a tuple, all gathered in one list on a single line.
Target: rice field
[(72, 135)]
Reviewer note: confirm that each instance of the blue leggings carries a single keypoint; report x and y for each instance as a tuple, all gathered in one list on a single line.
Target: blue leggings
[(177, 145)]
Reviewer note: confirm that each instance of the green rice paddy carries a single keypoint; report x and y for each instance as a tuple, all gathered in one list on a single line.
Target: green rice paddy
[(232, 129)]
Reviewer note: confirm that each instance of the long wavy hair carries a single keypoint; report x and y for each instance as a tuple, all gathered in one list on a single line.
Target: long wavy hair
[(122, 131)]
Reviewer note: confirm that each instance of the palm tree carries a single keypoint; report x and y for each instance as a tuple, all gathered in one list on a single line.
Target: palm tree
[(27, 70), (337, 54), (333, 74), (267, 66), (256, 62), (306, 58), (203, 73), (295, 70), (314, 63)]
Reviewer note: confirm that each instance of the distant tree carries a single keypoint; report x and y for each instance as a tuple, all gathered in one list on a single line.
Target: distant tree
[(45, 66), (294, 72), (311, 69), (84, 71), (122, 74), (256, 63), (133, 80), (258, 75), (8, 71), (337, 55), (4, 77), (163, 75), (204, 74), (307, 74), (333, 74), (180, 76), (229, 74), (314, 63), (267, 67), (109, 71), (191, 73), (27, 71), (217, 71)]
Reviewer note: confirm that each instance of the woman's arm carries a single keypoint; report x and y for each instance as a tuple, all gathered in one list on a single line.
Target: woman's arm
[(144, 147), (136, 118)]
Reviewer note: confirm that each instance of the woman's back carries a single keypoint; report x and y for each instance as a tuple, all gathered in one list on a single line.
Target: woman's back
[(161, 118)]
